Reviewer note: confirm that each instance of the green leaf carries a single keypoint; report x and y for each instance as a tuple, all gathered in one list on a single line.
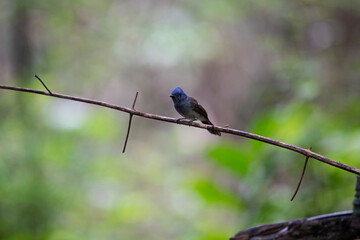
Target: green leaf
[(214, 194), (231, 157)]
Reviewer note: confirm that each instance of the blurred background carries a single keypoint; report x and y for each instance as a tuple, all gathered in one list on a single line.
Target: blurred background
[(287, 70)]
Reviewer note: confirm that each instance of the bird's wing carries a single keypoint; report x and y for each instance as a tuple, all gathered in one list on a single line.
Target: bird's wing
[(197, 107)]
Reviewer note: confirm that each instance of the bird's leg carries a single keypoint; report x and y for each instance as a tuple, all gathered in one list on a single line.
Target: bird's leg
[(179, 119), (191, 121)]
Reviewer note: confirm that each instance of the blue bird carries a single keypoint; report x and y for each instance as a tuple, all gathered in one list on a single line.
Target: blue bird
[(189, 108)]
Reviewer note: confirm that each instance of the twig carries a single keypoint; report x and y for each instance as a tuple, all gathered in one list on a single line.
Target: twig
[(300, 150), (130, 119), (302, 175), (43, 84), (133, 106)]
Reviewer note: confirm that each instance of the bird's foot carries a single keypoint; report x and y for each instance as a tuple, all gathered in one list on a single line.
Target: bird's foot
[(179, 119), (190, 122)]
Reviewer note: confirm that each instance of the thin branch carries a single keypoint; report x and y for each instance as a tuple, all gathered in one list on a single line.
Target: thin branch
[(43, 84), (302, 175), (133, 106), (300, 150), (129, 126), (128, 132)]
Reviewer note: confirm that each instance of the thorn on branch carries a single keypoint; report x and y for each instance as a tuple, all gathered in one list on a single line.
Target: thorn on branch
[(302, 175), (133, 106), (43, 84), (129, 126)]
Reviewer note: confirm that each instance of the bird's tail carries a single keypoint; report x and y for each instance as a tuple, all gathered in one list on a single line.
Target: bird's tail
[(212, 131)]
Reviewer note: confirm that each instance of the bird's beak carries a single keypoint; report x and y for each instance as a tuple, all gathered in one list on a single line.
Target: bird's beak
[(172, 96)]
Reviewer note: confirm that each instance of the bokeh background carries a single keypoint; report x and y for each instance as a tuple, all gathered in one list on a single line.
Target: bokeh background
[(287, 70)]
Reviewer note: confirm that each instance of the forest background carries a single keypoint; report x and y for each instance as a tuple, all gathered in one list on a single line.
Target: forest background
[(287, 70)]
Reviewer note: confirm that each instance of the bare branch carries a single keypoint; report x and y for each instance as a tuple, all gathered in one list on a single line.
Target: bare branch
[(129, 126), (133, 106), (302, 175), (300, 150), (43, 84), (128, 132)]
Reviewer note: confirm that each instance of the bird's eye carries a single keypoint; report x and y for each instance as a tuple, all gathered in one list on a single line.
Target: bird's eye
[(180, 94)]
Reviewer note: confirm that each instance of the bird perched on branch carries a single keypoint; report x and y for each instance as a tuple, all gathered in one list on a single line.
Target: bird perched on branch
[(189, 108)]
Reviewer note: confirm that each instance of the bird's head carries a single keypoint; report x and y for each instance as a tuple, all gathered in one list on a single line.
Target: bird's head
[(178, 95)]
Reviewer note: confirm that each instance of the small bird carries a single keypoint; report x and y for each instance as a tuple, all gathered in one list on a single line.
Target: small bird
[(189, 108)]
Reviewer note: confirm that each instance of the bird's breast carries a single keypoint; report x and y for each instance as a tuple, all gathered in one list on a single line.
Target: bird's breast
[(182, 109)]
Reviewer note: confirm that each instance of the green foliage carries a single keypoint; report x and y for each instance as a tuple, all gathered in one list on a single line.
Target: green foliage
[(231, 157), (267, 175), (214, 194)]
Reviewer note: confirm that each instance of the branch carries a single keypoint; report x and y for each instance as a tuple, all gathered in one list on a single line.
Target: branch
[(43, 84), (302, 176), (130, 119), (328, 226), (300, 150)]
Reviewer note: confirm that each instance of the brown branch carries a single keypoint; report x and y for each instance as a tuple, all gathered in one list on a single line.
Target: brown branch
[(133, 106), (130, 119), (302, 175), (300, 150), (43, 84)]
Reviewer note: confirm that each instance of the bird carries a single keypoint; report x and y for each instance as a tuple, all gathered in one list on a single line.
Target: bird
[(190, 109)]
